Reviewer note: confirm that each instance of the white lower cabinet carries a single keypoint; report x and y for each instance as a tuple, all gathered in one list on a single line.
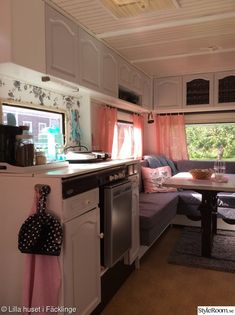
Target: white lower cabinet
[(82, 262)]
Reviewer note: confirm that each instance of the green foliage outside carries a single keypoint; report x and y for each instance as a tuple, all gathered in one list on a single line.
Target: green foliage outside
[(205, 141)]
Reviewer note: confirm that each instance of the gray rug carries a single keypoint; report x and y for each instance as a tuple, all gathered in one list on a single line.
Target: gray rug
[(187, 250)]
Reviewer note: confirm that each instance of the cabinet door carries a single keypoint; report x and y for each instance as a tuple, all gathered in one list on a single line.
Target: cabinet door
[(109, 72), (198, 90), (81, 272), (89, 56), (168, 92), (136, 81), (147, 93), (124, 78), (130, 77), (224, 92), (61, 46)]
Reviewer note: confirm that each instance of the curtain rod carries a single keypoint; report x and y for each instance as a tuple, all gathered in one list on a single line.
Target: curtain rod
[(198, 112), (123, 110)]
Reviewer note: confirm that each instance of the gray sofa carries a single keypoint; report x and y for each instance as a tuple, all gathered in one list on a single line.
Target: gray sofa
[(157, 210)]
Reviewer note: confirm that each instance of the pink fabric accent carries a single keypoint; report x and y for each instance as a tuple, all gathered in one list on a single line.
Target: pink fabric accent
[(154, 178), (108, 119), (138, 122), (42, 280), (171, 136)]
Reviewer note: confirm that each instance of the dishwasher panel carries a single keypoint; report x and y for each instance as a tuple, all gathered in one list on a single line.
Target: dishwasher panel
[(117, 221)]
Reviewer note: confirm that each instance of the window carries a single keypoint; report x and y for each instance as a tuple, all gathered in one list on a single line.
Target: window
[(208, 141), (125, 140), (37, 120), (29, 124), (41, 126)]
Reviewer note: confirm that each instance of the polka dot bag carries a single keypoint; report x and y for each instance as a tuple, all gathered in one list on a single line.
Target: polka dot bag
[(41, 233)]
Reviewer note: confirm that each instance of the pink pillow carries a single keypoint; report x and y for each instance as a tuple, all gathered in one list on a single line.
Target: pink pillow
[(153, 179)]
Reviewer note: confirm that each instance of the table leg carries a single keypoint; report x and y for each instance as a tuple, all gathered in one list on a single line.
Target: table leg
[(208, 224)]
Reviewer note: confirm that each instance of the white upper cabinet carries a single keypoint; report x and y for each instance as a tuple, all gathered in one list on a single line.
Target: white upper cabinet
[(109, 72), (124, 72), (130, 77), (22, 33), (136, 81), (198, 90), (224, 92), (61, 46), (89, 53), (168, 92), (147, 92)]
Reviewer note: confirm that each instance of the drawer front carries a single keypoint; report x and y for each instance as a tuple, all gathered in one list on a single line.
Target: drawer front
[(80, 204)]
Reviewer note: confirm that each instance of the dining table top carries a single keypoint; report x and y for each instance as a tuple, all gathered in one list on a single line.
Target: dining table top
[(186, 181)]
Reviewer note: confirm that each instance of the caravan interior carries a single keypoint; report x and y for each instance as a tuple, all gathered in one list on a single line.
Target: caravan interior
[(117, 156)]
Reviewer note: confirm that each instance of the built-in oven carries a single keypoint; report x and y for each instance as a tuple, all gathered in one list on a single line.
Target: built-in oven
[(115, 204)]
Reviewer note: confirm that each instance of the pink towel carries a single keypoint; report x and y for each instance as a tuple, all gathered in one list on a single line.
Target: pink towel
[(42, 281)]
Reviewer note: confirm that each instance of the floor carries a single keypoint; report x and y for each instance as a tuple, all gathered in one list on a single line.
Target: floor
[(161, 288)]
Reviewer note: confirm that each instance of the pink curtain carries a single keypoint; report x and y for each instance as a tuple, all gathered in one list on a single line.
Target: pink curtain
[(171, 136), (108, 120), (138, 123)]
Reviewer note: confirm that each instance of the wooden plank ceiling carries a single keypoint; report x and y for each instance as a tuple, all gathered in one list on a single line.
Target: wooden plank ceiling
[(185, 36)]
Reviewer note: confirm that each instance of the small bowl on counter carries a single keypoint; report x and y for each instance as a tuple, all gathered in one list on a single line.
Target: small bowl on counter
[(201, 173)]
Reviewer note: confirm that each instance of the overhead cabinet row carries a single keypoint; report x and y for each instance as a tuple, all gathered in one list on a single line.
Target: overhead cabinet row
[(74, 55), (47, 41), (200, 90)]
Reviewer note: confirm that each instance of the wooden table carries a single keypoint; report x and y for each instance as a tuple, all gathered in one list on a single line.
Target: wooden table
[(208, 207)]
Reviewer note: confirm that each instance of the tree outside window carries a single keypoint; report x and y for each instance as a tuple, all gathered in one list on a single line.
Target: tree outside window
[(210, 141)]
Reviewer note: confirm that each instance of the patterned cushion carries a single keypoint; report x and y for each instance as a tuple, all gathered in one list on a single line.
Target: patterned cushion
[(155, 161), (154, 178)]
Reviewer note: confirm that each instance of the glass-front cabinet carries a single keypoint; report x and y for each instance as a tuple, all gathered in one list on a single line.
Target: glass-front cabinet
[(225, 88), (198, 90)]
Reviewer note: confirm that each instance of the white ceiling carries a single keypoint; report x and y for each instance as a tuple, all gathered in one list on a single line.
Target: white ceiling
[(195, 36)]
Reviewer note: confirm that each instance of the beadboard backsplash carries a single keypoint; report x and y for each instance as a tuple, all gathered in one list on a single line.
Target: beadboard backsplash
[(22, 92)]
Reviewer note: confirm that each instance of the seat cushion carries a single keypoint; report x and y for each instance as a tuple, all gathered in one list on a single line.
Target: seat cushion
[(226, 199), (189, 202), (227, 214), (189, 197), (157, 207)]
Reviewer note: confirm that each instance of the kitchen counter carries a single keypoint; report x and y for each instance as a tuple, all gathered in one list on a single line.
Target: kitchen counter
[(80, 168), (68, 170)]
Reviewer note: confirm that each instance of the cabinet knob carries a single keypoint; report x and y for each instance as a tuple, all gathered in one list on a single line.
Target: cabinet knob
[(101, 235)]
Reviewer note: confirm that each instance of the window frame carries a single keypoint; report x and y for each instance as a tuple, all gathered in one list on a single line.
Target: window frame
[(34, 107), (211, 124)]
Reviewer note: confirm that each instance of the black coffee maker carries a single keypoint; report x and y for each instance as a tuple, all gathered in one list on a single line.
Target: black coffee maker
[(7, 143)]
